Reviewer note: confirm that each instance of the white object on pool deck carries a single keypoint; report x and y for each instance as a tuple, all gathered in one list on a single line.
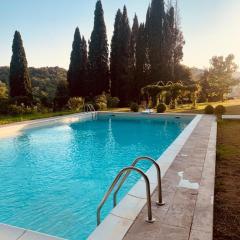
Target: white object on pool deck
[(148, 111), (184, 183)]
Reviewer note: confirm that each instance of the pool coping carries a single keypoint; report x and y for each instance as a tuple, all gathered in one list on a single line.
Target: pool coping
[(121, 218), (14, 129)]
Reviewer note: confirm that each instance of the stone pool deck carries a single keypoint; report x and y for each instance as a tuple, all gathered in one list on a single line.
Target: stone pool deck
[(188, 191)]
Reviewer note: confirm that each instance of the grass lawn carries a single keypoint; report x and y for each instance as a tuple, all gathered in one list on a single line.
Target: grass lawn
[(232, 107), (227, 185), (5, 119)]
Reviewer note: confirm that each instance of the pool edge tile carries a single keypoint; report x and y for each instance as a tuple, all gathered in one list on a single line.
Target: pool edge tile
[(113, 227), (8, 232)]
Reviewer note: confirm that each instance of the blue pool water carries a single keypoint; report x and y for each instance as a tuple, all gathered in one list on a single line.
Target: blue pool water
[(52, 178)]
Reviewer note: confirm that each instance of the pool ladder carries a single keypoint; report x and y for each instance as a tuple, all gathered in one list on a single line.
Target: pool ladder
[(90, 108), (127, 172)]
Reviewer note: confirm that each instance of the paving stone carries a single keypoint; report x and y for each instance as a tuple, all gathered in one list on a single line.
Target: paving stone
[(181, 211), (200, 235), (157, 231)]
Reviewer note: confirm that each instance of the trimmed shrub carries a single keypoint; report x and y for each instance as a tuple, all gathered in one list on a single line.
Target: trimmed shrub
[(209, 109), (161, 108), (100, 102), (134, 107), (220, 110), (112, 102), (75, 103)]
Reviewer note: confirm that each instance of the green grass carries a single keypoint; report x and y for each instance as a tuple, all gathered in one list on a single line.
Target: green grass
[(232, 107), (227, 183), (6, 119), (228, 151)]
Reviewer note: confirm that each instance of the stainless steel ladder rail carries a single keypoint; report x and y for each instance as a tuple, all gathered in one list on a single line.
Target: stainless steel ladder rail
[(128, 169), (159, 187), (89, 108)]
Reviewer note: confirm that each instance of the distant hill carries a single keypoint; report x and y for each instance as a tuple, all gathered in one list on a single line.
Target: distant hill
[(44, 80)]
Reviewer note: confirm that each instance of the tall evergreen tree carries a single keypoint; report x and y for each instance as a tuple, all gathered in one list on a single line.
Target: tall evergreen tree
[(75, 77), (84, 67), (142, 66), (133, 41), (124, 38), (169, 44), (156, 20), (132, 56), (173, 45), (98, 53), (147, 24), (19, 81), (115, 55)]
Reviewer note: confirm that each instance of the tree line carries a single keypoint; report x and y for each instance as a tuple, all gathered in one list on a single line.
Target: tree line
[(142, 54)]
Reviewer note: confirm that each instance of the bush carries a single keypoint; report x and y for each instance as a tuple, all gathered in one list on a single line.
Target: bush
[(134, 107), (112, 102), (27, 101), (60, 103), (4, 103), (220, 110), (209, 109), (15, 109), (161, 108), (75, 103), (100, 102)]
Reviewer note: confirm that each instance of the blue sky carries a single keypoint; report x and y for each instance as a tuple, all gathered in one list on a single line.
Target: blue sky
[(210, 27)]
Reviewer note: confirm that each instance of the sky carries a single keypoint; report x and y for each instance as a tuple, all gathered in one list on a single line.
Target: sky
[(210, 27)]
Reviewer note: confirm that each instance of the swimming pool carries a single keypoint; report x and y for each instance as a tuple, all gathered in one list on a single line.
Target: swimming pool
[(52, 178)]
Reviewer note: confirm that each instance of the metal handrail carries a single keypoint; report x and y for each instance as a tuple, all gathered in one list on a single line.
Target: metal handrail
[(127, 169), (160, 201), (89, 108)]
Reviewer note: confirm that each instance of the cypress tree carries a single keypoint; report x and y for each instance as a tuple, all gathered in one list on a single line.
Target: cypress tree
[(147, 24), (115, 55), (133, 41), (98, 53), (141, 61), (169, 44), (84, 67), (156, 20), (75, 78), (125, 35), (132, 57), (173, 45), (19, 81)]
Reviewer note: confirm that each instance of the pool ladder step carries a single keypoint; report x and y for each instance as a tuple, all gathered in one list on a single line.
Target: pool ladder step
[(89, 108), (126, 172)]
